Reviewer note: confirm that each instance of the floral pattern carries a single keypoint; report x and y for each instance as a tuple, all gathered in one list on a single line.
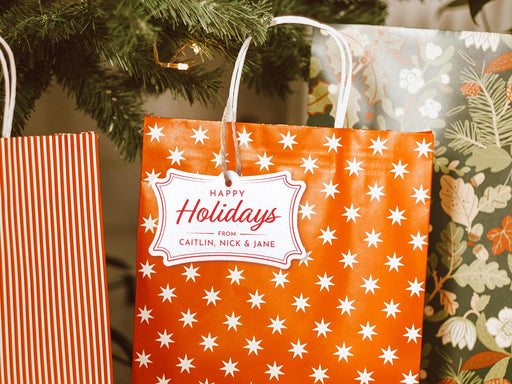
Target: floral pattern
[(459, 85)]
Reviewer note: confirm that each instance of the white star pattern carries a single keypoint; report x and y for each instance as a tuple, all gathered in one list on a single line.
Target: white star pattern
[(176, 156), (280, 278), (370, 285), (235, 275), (143, 359), (349, 259), (409, 378), (217, 159), (151, 178), (327, 236), (367, 330), (165, 339), (149, 224), (288, 141), (191, 273), (309, 164), (330, 189), (297, 349), (306, 210), (199, 135), (412, 334), (185, 364), (232, 321), (162, 380), (155, 133), (378, 145), (418, 241), (147, 269), (145, 314), (256, 299), (188, 318), (346, 305), (375, 192), (319, 374), (264, 161), (343, 352), (373, 238), (388, 355), (244, 138), (396, 216), (324, 281), (253, 345), (394, 262), (285, 301), (306, 259), (167, 293), (415, 287), (333, 143), (229, 367), (423, 148), (391, 309), (351, 213), (354, 167), (399, 169), (364, 377), (322, 328), (301, 303), (420, 194), (277, 324), (274, 371), (209, 342), (211, 296)]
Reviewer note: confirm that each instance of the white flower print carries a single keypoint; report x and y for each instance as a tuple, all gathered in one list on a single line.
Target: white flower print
[(501, 327), (430, 108), (459, 332), (411, 80), (481, 40), (433, 51)]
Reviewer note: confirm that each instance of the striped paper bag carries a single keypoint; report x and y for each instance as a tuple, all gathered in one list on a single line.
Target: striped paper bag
[(54, 323)]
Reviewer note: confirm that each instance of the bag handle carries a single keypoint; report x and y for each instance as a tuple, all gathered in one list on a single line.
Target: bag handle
[(9, 74), (230, 111)]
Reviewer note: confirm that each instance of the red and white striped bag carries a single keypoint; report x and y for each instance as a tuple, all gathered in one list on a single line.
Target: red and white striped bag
[(54, 323)]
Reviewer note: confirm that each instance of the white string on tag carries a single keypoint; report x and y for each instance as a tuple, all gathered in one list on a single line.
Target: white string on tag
[(9, 74), (230, 111)]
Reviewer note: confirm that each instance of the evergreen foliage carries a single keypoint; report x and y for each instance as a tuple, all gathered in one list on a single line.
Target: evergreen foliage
[(101, 51)]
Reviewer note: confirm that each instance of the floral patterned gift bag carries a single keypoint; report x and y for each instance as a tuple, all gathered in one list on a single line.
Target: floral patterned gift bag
[(460, 85), (54, 324), (308, 268)]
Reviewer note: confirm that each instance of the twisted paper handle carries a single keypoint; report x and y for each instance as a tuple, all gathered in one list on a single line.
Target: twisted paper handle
[(229, 115), (9, 74)]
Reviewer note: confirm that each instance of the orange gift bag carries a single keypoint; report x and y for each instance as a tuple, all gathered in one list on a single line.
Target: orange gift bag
[(54, 325), (307, 265)]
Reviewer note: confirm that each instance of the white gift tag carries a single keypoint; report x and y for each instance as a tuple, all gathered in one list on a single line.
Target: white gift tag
[(253, 220)]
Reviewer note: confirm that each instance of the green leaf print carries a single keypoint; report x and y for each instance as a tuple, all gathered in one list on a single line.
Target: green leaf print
[(494, 198), (452, 246), (497, 159), (498, 370), (479, 275)]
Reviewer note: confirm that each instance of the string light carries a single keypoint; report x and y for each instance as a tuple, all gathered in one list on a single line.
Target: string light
[(196, 48), (173, 65)]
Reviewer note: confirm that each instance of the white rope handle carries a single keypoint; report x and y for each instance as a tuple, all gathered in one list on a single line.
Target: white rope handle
[(229, 115), (345, 68), (9, 74)]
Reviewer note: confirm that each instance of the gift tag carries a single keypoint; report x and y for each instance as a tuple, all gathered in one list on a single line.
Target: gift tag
[(253, 220)]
